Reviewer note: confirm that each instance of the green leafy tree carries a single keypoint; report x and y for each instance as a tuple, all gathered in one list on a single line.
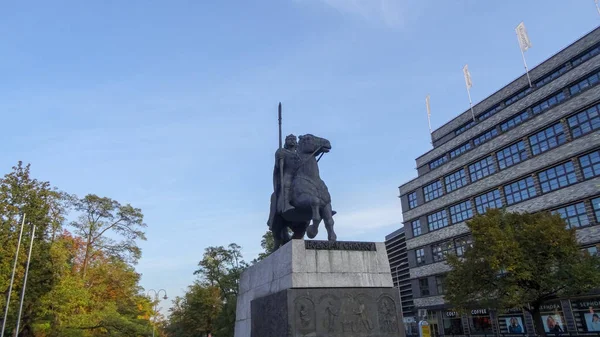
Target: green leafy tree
[(519, 261), (196, 312), (101, 216), (209, 305), (21, 194)]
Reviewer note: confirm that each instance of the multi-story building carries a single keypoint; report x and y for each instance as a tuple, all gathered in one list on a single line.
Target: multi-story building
[(528, 149), (395, 245)]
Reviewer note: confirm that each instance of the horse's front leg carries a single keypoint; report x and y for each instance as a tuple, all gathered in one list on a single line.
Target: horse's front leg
[(328, 220), (313, 229)]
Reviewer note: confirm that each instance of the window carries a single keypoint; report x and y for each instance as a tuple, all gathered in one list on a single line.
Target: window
[(464, 128), (460, 150), (439, 283), (424, 287), (548, 103), (420, 256), (437, 220), (518, 96), (433, 190), (456, 180), (596, 208), (574, 215), (412, 200), (482, 168), (550, 77), (512, 155), (438, 162), (462, 244), (590, 164), (485, 137), (584, 122), (441, 250), (557, 177), (490, 112), (547, 139), (461, 212), (416, 227), (588, 55), (519, 191), (490, 199), (583, 85), (518, 119)]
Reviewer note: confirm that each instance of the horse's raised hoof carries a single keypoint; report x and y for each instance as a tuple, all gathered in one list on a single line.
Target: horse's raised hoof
[(312, 231)]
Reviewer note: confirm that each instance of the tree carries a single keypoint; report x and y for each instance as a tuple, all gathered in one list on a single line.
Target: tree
[(99, 216), (209, 304), (519, 261), (196, 313), (20, 194)]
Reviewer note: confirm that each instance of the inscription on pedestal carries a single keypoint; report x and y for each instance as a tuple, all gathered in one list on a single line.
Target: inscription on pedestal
[(340, 245), (335, 312)]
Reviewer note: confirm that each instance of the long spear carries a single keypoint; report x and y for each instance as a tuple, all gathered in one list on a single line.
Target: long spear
[(280, 161)]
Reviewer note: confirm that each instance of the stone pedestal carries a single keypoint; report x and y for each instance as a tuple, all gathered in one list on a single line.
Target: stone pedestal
[(320, 289)]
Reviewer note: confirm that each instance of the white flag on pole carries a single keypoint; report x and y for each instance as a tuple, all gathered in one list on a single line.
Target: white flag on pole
[(467, 76), (523, 37)]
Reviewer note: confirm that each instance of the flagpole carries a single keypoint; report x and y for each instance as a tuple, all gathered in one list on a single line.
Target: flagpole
[(597, 6), (526, 69), (428, 113), (25, 281), (471, 104), (12, 277)]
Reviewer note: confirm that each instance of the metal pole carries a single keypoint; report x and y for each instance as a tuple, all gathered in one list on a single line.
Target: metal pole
[(471, 104), (526, 69), (155, 305), (25, 282), (12, 278)]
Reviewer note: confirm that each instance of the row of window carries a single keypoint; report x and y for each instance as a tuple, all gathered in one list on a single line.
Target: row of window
[(556, 73), (439, 251), (575, 215), (577, 60), (550, 179), (548, 138)]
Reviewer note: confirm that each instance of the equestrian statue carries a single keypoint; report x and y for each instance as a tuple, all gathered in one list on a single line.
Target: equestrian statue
[(299, 195)]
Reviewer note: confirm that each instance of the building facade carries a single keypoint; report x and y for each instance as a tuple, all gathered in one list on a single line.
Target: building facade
[(528, 149), (395, 244)]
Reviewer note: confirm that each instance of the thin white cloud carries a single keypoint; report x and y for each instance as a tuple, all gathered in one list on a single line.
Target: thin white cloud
[(367, 219), (390, 12)]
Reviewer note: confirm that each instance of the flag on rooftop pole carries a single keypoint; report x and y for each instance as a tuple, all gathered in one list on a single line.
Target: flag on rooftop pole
[(469, 84), (428, 112), (524, 45)]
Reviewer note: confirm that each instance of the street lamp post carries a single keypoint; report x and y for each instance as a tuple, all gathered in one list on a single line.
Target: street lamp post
[(400, 293), (156, 293)]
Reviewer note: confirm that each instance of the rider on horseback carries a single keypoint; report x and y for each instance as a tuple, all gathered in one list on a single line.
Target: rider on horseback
[(280, 202)]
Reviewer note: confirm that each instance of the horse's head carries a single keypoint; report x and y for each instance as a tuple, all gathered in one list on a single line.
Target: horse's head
[(310, 143)]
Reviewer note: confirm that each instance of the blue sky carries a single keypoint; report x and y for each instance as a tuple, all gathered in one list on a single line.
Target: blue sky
[(171, 105)]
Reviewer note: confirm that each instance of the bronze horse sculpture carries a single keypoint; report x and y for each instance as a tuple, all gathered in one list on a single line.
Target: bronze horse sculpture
[(308, 195)]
